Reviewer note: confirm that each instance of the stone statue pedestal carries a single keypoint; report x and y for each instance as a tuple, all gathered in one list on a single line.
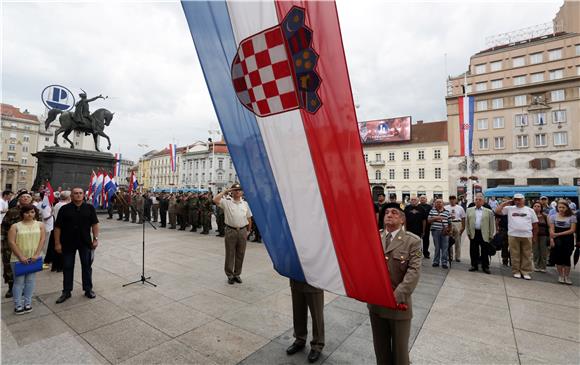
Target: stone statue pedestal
[(67, 167)]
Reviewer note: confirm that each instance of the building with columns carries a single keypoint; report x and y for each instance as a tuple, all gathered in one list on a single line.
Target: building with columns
[(526, 88), (416, 167)]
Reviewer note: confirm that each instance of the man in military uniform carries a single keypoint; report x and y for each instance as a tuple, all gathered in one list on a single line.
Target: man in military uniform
[(391, 327), (193, 211), (172, 211), (181, 211), (221, 221), (206, 212), (133, 207), (119, 204), (304, 297), (140, 206), (11, 217), (126, 206), (163, 208)]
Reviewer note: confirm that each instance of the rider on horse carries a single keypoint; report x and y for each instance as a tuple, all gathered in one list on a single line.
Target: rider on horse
[(82, 115)]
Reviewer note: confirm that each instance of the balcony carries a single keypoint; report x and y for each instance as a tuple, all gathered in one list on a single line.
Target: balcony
[(378, 181), (377, 163)]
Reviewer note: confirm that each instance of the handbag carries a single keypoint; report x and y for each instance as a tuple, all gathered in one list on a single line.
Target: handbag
[(23, 269)]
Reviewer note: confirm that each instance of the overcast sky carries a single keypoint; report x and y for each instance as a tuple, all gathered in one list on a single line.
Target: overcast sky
[(141, 55)]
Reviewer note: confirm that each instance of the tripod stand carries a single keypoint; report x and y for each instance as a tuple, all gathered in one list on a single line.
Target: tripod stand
[(143, 279)]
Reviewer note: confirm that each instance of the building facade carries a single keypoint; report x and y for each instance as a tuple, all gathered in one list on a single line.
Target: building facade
[(161, 174), (125, 172), (417, 167), (208, 166), (527, 112)]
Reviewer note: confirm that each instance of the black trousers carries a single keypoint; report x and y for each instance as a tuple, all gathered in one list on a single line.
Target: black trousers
[(478, 251), (68, 259), (163, 217), (426, 238)]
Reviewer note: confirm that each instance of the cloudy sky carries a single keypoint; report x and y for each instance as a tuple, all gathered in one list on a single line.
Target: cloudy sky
[(141, 55)]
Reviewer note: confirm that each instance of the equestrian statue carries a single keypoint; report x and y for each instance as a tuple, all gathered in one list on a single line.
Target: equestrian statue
[(81, 120)]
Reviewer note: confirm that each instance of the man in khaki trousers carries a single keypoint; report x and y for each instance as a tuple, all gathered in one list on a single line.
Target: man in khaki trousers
[(403, 254), (238, 220)]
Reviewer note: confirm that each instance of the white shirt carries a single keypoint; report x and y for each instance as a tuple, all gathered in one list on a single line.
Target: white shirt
[(520, 220), (236, 213), (3, 208), (46, 214), (57, 207), (456, 212), (478, 216)]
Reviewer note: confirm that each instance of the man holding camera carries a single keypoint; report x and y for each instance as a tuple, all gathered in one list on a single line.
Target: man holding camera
[(238, 220)]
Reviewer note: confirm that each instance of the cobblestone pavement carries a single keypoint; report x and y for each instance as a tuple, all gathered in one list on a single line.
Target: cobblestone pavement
[(194, 317)]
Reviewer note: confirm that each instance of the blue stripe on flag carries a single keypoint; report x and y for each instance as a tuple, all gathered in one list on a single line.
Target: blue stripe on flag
[(213, 36)]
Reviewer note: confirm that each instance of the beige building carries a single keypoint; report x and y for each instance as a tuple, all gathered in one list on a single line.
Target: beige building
[(208, 165), (417, 167), (527, 110)]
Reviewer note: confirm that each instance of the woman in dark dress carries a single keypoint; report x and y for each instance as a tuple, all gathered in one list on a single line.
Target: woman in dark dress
[(562, 228)]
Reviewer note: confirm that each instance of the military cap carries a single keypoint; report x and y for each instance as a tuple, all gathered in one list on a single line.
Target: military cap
[(393, 206), (236, 186)]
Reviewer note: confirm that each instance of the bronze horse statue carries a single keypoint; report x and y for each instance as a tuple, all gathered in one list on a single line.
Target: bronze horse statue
[(101, 118)]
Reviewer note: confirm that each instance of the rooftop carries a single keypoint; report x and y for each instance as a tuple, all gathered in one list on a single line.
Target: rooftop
[(11, 111)]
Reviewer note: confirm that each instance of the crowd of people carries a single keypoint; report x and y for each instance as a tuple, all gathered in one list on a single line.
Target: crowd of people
[(530, 238)]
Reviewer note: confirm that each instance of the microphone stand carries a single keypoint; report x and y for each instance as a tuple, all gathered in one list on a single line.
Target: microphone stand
[(143, 279)]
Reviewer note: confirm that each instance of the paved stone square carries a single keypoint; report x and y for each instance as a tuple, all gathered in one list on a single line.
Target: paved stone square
[(194, 317)]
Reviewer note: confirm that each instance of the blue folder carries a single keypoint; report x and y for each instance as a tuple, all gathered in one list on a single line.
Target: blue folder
[(23, 269)]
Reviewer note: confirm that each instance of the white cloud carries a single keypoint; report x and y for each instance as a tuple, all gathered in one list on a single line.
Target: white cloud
[(141, 55)]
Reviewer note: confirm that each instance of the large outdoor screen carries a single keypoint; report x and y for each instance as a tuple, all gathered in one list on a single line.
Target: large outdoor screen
[(385, 130)]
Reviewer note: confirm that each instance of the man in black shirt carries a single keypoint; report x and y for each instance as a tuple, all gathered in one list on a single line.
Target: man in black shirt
[(426, 236), (379, 211), (72, 232), (415, 217)]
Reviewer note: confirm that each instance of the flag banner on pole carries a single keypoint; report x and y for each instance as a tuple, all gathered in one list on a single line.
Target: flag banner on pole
[(117, 171), (173, 156), (277, 75), (466, 112)]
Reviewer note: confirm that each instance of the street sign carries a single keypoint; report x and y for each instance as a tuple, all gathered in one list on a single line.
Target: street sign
[(58, 97)]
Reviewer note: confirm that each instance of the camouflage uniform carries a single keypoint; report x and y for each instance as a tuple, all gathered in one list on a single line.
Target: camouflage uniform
[(193, 210), (172, 212), (221, 221), (134, 208), (206, 211), (11, 217)]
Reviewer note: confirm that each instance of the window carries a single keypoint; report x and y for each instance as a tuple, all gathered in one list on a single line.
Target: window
[(203, 176), (230, 177), (25, 138), (577, 50), (366, 157), (377, 157), (495, 66), (437, 154), (392, 174), (498, 143), (557, 74), (538, 77), (483, 144), (522, 141), (479, 69), (520, 100), (519, 80), (498, 122), (539, 118), (555, 54), (496, 84), (11, 157), (500, 165), (24, 148), (406, 174), (542, 164), (557, 95), (541, 140), (391, 156), (421, 155), (11, 147), (481, 86), (378, 174), (203, 164), (405, 156), (220, 164), (469, 88), (481, 105), (560, 138), (231, 166), (518, 61), (497, 103), (536, 58), (210, 164), (559, 116), (521, 120), (482, 124), (438, 172), (24, 160), (46, 139), (421, 173)]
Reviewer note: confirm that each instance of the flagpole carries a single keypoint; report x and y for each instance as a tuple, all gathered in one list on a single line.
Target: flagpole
[(468, 157)]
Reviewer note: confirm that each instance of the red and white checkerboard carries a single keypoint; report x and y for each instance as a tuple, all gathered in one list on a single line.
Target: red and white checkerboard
[(262, 76)]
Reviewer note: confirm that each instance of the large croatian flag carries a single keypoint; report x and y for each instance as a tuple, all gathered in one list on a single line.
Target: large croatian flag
[(466, 112), (277, 75)]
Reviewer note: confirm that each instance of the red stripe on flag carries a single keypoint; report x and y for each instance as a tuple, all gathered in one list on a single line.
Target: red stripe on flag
[(335, 146), (461, 123)]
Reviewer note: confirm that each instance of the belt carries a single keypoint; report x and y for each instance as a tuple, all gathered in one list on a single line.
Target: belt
[(457, 220), (236, 228)]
